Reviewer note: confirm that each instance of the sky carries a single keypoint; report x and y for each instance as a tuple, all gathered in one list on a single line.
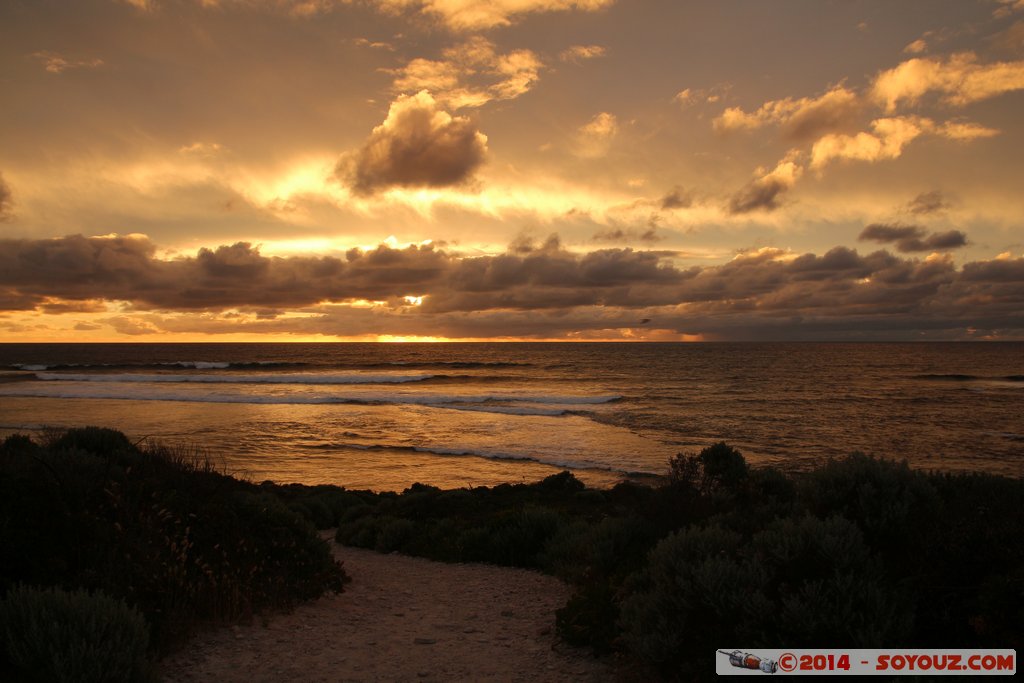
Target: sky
[(661, 170)]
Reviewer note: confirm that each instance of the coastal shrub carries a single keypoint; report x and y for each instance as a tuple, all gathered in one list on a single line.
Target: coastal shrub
[(316, 511), (178, 540), (716, 467), (519, 539), (691, 594), (803, 581), (95, 440), (828, 586), (324, 505), (997, 615), (456, 503), (360, 530), (563, 482), (611, 548), (18, 443), (859, 551), (396, 534), (969, 562), (891, 503), (590, 617), (76, 637)]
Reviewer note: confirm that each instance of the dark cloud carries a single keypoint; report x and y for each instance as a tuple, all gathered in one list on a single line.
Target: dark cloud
[(880, 232), (418, 145), (6, 200), (676, 199), (911, 238), (928, 203), (532, 290), (1011, 40), (620, 235), (951, 239), (836, 111), (762, 194)]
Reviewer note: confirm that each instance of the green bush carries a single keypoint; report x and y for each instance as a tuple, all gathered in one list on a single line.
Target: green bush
[(891, 503), (55, 636), (806, 582), (611, 548), (520, 538), (396, 535), (858, 552)]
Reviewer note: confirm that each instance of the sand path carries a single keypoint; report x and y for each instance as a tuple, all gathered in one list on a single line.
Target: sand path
[(401, 619)]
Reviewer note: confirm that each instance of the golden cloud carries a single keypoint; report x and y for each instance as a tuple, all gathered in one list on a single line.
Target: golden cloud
[(960, 79), (472, 15), (889, 137), (580, 53), (470, 74), (594, 138), (55, 63), (764, 192), (801, 118)]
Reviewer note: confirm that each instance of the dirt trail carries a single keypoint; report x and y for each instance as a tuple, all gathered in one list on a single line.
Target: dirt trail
[(401, 619)]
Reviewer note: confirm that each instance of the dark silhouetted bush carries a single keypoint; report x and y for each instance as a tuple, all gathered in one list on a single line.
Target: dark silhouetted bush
[(158, 528), (72, 637), (859, 552), (716, 467), (806, 581)]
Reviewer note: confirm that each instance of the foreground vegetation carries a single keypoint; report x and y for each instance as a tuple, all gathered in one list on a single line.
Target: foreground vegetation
[(147, 543), (114, 553), (860, 553)]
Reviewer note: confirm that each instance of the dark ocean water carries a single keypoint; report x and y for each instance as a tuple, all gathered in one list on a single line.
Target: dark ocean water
[(386, 415)]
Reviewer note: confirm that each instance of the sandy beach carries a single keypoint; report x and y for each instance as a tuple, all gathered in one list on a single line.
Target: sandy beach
[(401, 618)]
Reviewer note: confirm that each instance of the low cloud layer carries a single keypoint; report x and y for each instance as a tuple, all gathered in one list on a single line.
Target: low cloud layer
[(418, 145), (911, 238), (547, 290)]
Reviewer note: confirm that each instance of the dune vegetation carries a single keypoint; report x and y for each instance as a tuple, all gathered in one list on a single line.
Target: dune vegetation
[(859, 553), (112, 552), (149, 543)]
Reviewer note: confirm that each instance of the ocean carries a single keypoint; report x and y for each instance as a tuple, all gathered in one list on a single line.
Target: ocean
[(383, 416)]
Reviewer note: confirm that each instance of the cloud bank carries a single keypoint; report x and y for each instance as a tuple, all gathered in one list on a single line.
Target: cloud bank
[(545, 289)]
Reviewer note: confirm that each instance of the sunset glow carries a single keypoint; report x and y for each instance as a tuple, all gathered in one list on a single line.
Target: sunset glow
[(176, 170)]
